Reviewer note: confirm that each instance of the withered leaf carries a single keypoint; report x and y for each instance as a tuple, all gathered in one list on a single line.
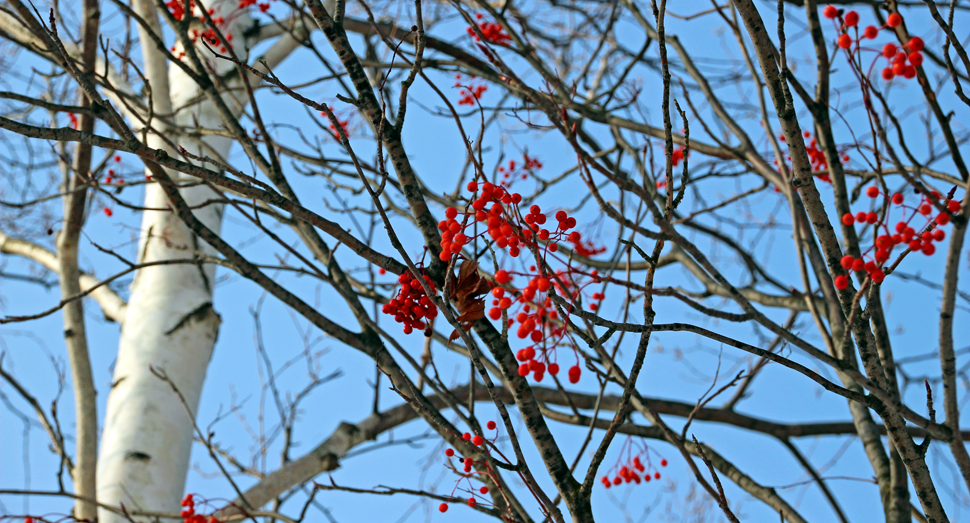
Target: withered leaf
[(467, 291)]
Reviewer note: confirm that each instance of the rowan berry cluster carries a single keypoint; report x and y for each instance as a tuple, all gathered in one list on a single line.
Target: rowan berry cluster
[(493, 32), (471, 468), (471, 93), (902, 61), (333, 128), (207, 35), (263, 7), (541, 325), (188, 512), (632, 469), (113, 176), (916, 239), (516, 170), (412, 307), (815, 155), (512, 231)]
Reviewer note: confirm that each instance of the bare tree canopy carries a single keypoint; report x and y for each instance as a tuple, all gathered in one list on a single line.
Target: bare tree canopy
[(555, 260)]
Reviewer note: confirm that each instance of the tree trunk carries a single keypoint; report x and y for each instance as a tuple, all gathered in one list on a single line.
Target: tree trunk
[(170, 326)]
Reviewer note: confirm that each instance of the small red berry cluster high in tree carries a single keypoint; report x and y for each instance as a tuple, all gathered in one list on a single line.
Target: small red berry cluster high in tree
[(493, 32), (629, 467)]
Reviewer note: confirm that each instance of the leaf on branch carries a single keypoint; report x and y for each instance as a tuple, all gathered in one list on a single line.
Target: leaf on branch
[(467, 291)]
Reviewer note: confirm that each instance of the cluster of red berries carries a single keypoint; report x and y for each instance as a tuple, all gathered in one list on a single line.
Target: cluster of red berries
[(333, 128), (512, 230), (815, 156), (111, 172), (632, 469), (412, 307), (530, 365), (468, 467), (493, 32), (539, 326), (899, 56), (263, 7), (517, 170), (177, 8), (470, 94), (188, 512), (903, 61), (905, 234)]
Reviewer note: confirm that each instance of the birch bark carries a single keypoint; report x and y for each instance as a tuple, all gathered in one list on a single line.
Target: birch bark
[(170, 323)]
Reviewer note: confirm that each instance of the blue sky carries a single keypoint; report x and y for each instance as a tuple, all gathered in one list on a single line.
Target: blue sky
[(678, 366)]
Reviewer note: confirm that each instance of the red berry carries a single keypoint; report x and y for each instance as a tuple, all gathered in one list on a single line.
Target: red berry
[(878, 276), (858, 264), (910, 72), (887, 74), (663, 463), (872, 217), (889, 50), (942, 218), (845, 41), (524, 370), (830, 11), (117, 158), (449, 452), (574, 373), (898, 198), (108, 212), (502, 277), (872, 192), (953, 206), (871, 32), (851, 19), (929, 249), (841, 282), (894, 20), (478, 440), (451, 213), (925, 209), (491, 426), (553, 368), (915, 44), (916, 58), (443, 507), (846, 262), (466, 436), (472, 186), (483, 490), (848, 219), (471, 502)]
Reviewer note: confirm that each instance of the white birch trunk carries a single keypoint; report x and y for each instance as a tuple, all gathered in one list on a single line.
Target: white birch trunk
[(170, 324)]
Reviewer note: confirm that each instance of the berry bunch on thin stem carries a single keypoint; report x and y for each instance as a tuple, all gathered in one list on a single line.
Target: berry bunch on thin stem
[(630, 467), (920, 238), (188, 512), (902, 61), (492, 31), (412, 306), (471, 468)]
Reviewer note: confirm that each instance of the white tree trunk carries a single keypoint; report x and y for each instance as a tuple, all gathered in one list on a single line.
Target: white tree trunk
[(170, 324)]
